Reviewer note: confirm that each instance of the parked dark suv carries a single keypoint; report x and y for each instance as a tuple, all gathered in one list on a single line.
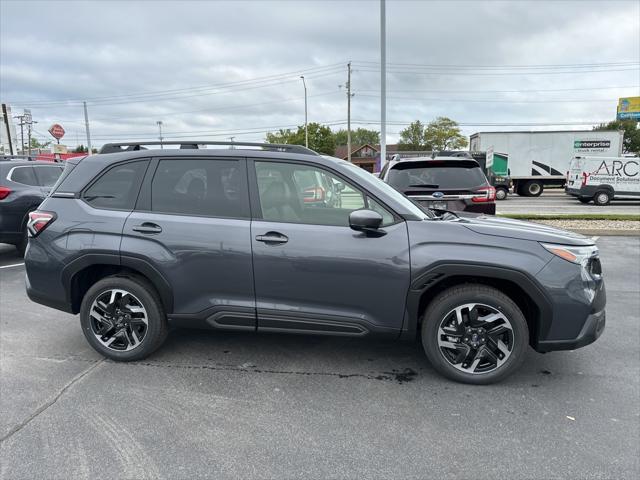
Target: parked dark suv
[(442, 183), (23, 185), (223, 238)]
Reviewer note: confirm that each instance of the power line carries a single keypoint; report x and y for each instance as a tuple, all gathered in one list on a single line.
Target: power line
[(490, 100), (257, 82), (510, 91), (506, 66), (485, 74)]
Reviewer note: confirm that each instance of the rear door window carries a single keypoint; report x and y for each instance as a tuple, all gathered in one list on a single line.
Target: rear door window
[(118, 187), (206, 187), (47, 176), (24, 175)]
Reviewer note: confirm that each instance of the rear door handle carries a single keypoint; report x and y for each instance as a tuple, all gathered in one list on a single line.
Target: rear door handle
[(147, 227), (274, 238)]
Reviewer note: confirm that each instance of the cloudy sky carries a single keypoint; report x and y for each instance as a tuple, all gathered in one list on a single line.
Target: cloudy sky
[(217, 69)]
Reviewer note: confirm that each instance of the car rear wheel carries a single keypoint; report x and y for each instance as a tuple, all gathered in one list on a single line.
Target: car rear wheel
[(602, 198), (474, 334), (123, 319)]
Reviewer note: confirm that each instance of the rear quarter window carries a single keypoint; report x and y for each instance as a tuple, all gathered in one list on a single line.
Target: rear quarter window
[(23, 175), (118, 187)]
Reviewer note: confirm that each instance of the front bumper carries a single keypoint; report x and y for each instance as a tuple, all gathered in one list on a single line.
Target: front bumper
[(577, 298), (592, 329)]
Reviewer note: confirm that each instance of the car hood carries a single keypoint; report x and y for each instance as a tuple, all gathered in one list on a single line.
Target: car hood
[(506, 227)]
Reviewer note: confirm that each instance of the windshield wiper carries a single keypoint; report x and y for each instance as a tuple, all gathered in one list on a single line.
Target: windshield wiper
[(427, 185)]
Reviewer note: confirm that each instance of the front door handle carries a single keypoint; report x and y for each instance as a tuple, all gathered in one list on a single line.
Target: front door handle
[(147, 227), (274, 238)]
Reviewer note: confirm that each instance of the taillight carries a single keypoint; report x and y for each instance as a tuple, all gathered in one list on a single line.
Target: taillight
[(38, 221), (313, 194), (4, 192), (485, 194)]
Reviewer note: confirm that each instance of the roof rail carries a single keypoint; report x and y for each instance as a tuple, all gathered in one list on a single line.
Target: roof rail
[(191, 145)]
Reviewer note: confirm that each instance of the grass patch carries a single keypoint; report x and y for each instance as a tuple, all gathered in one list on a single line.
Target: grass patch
[(578, 216)]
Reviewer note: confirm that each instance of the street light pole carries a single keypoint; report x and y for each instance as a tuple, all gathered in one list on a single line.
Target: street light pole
[(159, 123), (349, 112), (306, 129), (383, 84)]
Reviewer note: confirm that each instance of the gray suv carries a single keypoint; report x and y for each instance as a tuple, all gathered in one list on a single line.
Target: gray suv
[(137, 240)]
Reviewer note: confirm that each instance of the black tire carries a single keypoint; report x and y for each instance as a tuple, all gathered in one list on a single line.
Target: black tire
[(501, 193), (444, 303), (532, 188), (156, 327), (584, 200), (602, 198)]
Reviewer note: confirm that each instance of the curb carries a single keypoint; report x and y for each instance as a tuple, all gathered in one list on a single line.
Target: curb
[(588, 232)]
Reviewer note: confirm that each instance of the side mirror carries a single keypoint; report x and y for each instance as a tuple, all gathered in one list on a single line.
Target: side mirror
[(366, 221)]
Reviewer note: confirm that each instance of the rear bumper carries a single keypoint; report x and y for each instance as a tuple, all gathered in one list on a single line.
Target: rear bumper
[(591, 331), (46, 299)]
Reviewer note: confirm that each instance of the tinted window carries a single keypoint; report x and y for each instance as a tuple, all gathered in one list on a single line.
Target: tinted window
[(216, 188), (303, 194), (118, 187), (455, 174), (387, 217), (24, 175), (47, 176)]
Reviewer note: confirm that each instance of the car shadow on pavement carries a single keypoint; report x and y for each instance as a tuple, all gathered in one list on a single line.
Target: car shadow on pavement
[(374, 359)]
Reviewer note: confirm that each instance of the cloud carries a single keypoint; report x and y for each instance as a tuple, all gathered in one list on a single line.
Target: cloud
[(117, 54)]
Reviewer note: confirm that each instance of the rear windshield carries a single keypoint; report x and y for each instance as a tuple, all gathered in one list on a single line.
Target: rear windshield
[(435, 174)]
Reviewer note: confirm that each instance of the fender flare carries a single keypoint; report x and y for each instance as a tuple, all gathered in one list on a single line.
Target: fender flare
[(445, 269), (142, 266)]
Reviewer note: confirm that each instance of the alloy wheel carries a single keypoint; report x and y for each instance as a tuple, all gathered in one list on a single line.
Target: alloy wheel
[(118, 320), (475, 338)]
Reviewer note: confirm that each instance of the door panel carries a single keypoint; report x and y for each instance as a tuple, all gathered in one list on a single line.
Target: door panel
[(192, 223), (331, 277)]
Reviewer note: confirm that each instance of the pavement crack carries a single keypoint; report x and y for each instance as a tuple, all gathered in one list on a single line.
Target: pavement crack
[(50, 402)]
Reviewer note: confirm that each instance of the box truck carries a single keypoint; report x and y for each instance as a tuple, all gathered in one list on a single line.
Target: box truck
[(539, 159)]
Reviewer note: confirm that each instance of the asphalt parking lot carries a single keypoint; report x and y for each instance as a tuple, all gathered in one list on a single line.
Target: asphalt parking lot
[(555, 201), (237, 405)]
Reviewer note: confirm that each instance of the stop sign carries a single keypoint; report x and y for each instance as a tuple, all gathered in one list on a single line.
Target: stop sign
[(56, 131)]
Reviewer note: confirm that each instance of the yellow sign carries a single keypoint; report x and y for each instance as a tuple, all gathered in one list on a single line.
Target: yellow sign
[(59, 148), (629, 107)]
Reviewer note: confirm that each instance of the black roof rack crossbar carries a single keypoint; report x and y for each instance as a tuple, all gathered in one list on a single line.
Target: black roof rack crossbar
[(190, 145)]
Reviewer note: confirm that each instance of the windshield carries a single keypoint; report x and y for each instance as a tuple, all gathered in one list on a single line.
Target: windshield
[(436, 175), (386, 188)]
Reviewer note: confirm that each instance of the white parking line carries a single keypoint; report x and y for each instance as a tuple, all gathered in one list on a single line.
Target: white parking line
[(14, 265)]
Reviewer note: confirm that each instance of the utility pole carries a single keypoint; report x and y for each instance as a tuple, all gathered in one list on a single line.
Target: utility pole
[(29, 124), (6, 118), (159, 123), (22, 124), (349, 112), (383, 84), (86, 127), (306, 129)]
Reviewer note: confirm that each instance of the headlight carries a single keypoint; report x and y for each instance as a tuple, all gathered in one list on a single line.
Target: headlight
[(578, 255)]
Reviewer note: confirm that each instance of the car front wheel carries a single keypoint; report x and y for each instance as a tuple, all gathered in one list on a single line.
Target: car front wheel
[(123, 319), (474, 334)]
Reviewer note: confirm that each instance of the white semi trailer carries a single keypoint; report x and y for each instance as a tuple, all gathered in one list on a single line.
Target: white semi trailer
[(539, 159)]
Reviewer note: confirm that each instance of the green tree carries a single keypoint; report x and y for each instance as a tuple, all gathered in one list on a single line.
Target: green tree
[(359, 136), (444, 134), (321, 138), (412, 137), (631, 139), (35, 144)]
